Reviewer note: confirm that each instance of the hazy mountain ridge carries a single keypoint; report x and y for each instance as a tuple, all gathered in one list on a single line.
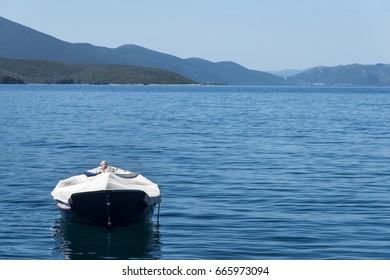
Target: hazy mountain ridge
[(344, 75), (21, 42), (286, 72)]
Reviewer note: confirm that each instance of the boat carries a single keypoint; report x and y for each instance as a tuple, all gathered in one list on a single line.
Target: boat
[(110, 197)]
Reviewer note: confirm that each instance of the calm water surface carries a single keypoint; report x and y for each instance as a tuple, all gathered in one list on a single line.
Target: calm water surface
[(245, 172)]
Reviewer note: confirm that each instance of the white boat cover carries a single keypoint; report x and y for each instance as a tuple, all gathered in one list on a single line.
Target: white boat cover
[(118, 179)]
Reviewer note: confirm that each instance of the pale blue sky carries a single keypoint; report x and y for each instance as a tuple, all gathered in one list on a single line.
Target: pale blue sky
[(258, 34)]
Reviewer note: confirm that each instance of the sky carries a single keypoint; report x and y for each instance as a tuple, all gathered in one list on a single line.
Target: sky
[(265, 35)]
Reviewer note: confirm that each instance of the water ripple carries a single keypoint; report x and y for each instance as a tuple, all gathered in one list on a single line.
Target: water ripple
[(245, 172)]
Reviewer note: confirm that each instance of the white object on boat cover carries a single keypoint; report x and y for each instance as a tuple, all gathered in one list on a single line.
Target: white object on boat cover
[(121, 180)]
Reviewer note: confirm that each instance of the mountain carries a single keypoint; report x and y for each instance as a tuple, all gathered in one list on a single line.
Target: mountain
[(38, 71), (233, 73), (21, 42), (286, 72), (344, 75)]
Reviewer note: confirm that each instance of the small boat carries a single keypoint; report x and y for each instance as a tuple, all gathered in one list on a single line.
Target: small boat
[(109, 197)]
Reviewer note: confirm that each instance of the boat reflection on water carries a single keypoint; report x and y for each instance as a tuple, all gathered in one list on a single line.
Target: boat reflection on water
[(78, 242)]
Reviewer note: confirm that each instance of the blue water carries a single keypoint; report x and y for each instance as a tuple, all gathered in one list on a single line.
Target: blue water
[(245, 172)]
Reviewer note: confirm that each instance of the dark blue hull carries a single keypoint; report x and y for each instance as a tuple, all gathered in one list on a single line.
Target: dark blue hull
[(107, 208)]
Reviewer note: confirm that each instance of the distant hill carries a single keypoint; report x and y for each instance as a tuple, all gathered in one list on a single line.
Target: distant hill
[(37, 71), (344, 75), (286, 72), (21, 42), (233, 73)]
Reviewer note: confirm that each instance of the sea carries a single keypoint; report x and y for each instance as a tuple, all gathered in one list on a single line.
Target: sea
[(245, 172)]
